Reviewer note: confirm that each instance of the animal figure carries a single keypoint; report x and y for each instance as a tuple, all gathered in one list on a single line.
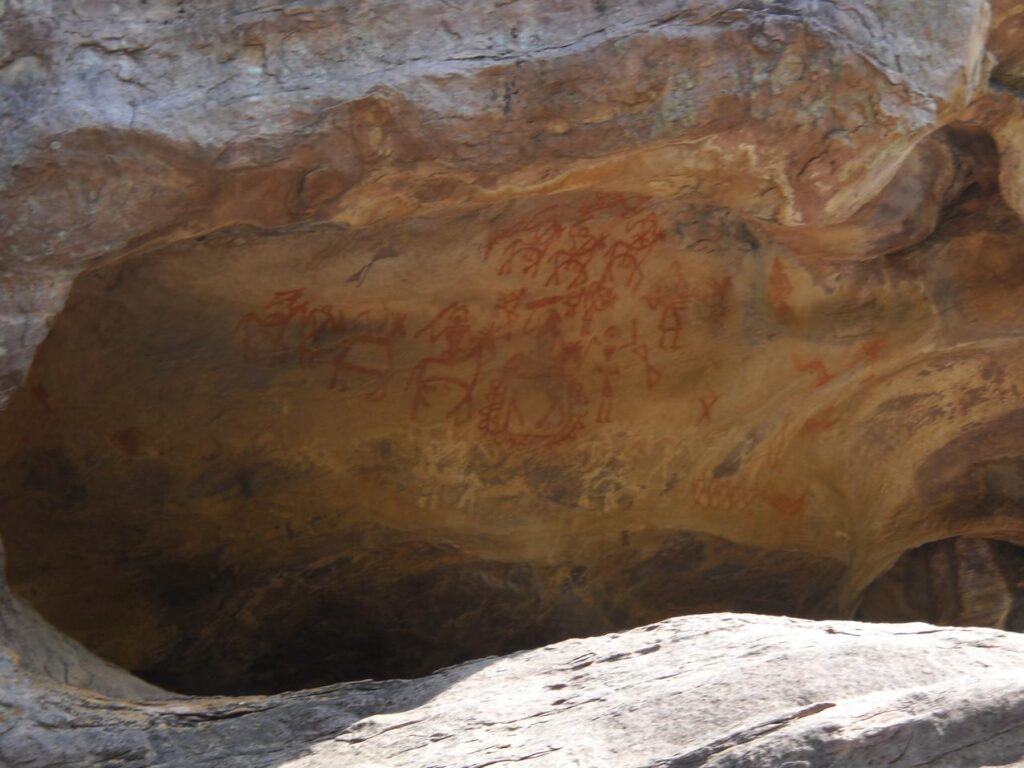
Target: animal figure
[(537, 399), (369, 354), (268, 334), (455, 368)]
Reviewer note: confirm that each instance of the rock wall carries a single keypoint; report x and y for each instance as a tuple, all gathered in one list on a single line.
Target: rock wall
[(346, 340), (129, 127)]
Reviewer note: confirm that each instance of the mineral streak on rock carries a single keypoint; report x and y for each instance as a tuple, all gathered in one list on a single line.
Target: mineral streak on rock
[(345, 340)]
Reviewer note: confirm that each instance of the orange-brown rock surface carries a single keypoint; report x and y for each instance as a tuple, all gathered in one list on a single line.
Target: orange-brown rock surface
[(346, 340)]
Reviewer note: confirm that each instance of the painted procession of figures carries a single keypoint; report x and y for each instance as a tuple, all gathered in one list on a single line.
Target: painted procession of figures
[(586, 310)]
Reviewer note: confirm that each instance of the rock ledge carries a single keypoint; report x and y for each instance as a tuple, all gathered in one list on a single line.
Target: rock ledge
[(710, 690)]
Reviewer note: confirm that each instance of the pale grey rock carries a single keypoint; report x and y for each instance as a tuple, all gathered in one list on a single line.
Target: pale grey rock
[(711, 690)]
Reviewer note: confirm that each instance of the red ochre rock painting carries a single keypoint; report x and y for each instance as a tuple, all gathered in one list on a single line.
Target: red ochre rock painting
[(588, 309), (742, 495), (780, 290)]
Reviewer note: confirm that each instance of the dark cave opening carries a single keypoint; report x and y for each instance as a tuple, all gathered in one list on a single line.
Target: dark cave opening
[(960, 581)]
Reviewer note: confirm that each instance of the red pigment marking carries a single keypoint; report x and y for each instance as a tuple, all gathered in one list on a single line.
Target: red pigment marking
[(726, 494), (817, 367), (873, 348), (790, 506), (707, 402), (549, 355), (780, 290), (128, 440), (821, 422), (42, 396)]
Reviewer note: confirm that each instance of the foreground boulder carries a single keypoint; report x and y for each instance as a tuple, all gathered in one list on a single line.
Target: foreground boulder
[(721, 690)]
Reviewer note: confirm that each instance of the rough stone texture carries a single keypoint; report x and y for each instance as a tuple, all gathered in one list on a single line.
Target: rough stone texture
[(369, 337), (129, 126), (380, 336), (717, 690), (33, 648)]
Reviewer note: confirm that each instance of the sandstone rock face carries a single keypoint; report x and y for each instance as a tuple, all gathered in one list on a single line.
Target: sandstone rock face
[(347, 340), (713, 691)]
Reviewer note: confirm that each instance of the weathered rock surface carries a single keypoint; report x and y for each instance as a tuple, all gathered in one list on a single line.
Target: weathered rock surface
[(715, 690), (370, 337), (580, 319), (129, 126), (33, 648)]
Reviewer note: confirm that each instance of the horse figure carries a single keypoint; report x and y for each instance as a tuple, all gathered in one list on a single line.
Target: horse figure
[(321, 326), (456, 367), (369, 354), (537, 399), (267, 332)]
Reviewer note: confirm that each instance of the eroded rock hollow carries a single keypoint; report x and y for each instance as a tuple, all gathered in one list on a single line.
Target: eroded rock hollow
[(356, 340)]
